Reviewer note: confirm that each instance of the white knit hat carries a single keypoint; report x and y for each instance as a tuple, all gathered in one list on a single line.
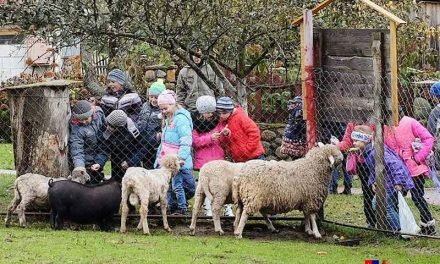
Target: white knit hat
[(117, 118), (206, 104)]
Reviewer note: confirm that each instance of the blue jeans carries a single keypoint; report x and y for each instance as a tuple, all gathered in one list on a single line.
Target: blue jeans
[(333, 188), (392, 209), (182, 189)]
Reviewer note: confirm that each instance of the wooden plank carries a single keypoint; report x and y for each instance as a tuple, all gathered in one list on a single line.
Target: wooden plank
[(384, 12), (315, 10), (350, 63), (394, 78), (303, 72)]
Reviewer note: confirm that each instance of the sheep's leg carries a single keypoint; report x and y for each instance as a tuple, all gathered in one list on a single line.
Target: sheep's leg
[(307, 228), (238, 212), (200, 197), (21, 208), (163, 210), (124, 210), (239, 231), (12, 206), (269, 224), (143, 212), (217, 205), (315, 226)]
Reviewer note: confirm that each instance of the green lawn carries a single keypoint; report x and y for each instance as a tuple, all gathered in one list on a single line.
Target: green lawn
[(6, 157)]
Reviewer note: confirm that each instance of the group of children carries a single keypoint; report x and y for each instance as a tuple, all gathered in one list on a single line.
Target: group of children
[(130, 132)]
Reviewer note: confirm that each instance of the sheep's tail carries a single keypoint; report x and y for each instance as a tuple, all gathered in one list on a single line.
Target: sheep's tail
[(133, 199), (235, 194), (50, 183), (204, 184)]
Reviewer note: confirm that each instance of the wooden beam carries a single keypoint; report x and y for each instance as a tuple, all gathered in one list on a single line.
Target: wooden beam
[(303, 71), (383, 11), (394, 78), (315, 10)]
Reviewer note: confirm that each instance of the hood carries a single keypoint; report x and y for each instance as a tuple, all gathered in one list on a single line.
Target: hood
[(185, 113)]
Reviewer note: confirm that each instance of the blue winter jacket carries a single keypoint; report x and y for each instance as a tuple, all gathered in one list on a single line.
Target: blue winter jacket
[(179, 132), (86, 141), (395, 168)]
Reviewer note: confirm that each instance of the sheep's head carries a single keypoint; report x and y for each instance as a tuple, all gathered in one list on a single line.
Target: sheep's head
[(333, 154), (172, 163), (80, 175)]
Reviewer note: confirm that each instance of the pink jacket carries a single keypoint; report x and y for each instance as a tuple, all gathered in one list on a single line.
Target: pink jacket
[(205, 149), (400, 139)]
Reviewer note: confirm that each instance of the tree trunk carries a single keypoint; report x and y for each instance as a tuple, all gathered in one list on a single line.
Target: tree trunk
[(89, 69), (40, 116)]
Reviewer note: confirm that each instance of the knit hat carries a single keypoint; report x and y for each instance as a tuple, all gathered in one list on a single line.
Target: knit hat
[(118, 76), (225, 104), (166, 97), (435, 89), (82, 110), (156, 88), (206, 104), (117, 118)]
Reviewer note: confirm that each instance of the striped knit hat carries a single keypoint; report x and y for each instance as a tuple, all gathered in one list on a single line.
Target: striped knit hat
[(225, 104), (82, 110), (117, 118), (118, 76)]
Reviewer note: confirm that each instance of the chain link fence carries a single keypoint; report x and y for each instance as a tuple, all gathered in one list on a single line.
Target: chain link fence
[(104, 143)]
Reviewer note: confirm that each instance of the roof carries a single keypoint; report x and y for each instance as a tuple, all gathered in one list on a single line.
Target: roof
[(55, 83), (369, 3)]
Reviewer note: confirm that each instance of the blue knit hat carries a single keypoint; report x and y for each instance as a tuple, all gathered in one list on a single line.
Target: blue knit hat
[(435, 89), (156, 88), (225, 104), (118, 76), (82, 110)]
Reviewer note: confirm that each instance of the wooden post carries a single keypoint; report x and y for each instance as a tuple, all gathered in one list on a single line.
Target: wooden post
[(379, 102), (394, 78), (309, 80), (40, 127)]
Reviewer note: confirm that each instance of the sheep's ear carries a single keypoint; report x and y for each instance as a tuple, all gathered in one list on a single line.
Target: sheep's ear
[(320, 144), (332, 160)]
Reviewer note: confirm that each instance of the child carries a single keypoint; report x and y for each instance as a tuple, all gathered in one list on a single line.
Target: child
[(122, 143), (207, 139), (400, 139), (244, 138), (119, 95), (86, 134), (294, 138), (397, 176), (177, 139), (149, 124)]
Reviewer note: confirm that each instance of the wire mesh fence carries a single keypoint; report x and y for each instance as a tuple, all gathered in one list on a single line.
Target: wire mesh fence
[(42, 130)]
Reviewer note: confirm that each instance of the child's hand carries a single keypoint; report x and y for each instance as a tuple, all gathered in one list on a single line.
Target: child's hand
[(226, 131), (373, 187), (124, 165), (215, 136), (353, 150), (95, 167), (398, 187), (158, 135)]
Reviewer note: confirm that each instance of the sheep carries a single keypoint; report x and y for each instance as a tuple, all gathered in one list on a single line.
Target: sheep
[(31, 189), (215, 183), (150, 187), (279, 187)]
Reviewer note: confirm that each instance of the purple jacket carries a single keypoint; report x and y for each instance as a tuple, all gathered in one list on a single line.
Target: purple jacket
[(396, 171)]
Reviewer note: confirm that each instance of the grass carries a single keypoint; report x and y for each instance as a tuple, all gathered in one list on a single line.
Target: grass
[(6, 157)]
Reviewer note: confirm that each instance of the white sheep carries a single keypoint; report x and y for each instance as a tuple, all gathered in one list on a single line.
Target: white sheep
[(215, 183), (279, 187), (148, 187), (31, 190)]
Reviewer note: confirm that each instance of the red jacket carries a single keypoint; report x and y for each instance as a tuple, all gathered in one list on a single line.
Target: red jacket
[(245, 139)]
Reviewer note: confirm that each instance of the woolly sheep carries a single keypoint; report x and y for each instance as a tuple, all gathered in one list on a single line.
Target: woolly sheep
[(215, 183), (31, 189), (279, 187), (150, 187)]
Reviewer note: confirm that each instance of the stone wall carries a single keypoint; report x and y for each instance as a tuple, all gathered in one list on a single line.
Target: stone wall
[(272, 137)]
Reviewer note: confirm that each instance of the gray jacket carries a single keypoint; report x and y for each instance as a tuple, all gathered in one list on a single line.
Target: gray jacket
[(85, 141), (190, 86)]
